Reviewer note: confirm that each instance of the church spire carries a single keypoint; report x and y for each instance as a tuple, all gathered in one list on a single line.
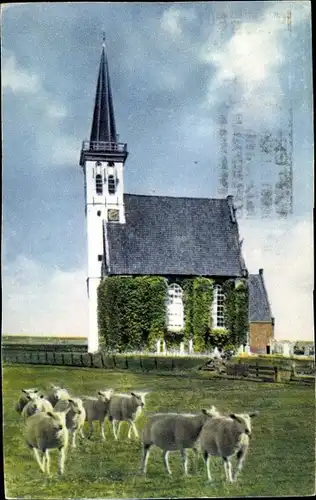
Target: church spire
[(103, 124)]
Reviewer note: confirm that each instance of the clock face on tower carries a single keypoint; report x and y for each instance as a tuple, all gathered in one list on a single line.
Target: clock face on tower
[(113, 215)]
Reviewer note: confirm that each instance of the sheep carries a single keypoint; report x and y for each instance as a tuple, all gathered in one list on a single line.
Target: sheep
[(55, 393), (97, 409), (126, 407), (36, 403), (24, 399), (226, 436), (75, 417), (171, 432), (44, 431)]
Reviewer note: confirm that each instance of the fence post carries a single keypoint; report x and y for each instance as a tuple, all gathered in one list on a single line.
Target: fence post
[(141, 363), (277, 377), (62, 359), (172, 364), (257, 368), (81, 359), (114, 361), (156, 363), (91, 360), (126, 362), (54, 358)]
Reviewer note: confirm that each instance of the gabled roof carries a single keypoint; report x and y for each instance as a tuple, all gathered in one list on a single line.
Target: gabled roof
[(259, 307), (103, 123), (174, 236)]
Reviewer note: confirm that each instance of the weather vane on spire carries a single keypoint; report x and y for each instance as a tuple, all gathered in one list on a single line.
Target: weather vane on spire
[(103, 39)]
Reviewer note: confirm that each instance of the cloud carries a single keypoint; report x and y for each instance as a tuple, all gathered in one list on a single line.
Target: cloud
[(17, 79), (172, 20), (43, 301), (248, 62), (284, 249)]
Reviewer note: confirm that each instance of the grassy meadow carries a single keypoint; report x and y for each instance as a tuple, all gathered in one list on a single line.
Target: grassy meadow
[(280, 462)]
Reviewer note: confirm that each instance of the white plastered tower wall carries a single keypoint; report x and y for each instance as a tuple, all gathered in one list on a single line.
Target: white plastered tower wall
[(100, 198)]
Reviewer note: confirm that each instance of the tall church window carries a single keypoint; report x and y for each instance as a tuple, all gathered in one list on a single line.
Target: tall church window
[(98, 184), (111, 184), (218, 307), (175, 317)]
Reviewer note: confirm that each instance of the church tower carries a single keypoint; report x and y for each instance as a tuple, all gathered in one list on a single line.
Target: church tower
[(102, 159)]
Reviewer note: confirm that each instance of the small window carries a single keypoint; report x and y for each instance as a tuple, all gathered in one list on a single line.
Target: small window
[(99, 213), (98, 184), (111, 184), (110, 163), (98, 164), (100, 258), (175, 316)]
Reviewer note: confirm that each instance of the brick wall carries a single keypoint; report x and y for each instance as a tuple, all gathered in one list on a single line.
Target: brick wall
[(260, 335)]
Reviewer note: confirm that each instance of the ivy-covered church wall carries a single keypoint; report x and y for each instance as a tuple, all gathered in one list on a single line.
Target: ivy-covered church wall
[(131, 312)]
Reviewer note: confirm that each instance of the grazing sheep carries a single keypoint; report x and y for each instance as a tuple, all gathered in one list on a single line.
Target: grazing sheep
[(55, 393), (126, 408), (97, 409), (75, 417), (226, 436), (44, 431), (171, 432), (36, 404), (24, 399)]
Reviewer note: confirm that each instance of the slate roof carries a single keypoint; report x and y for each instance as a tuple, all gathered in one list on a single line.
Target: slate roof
[(259, 307), (174, 236)]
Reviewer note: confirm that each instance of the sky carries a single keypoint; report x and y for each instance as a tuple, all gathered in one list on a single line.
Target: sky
[(171, 69)]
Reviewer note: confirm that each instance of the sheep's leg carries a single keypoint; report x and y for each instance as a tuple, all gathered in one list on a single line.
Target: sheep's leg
[(207, 458), (114, 428), (40, 462), (165, 461), (61, 461), (81, 432), (118, 429), (229, 470), (101, 421), (46, 455), (134, 429), (241, 455), (90, 429), (74, 433), (196, 458), (225, 468), (184, 458), (144, 460)]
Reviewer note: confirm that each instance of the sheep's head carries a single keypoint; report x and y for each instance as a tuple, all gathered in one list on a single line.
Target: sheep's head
[(58, 419), (76, 405), (139, 399), (60, 393), (29, 393), (243, 421), (211, 412), (105, 395)]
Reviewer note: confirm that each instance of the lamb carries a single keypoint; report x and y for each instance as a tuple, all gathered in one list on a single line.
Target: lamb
[(226, 436), (75, 417), (97, 409), (55, 393), (36, 404), (126, 407), (44, 431), (171, 432), (24, 399)]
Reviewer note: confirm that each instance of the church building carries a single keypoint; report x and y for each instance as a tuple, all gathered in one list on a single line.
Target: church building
[(171, 237)]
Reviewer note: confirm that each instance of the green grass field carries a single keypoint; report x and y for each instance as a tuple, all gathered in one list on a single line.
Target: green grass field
[(281, 459)]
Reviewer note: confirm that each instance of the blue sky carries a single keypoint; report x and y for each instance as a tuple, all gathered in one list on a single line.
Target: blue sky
[(169, 74)]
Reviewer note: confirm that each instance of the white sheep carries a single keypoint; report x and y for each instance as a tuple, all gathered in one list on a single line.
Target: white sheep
[(24, 399), (171, 432), (75, 417), (55, 393), (96, 408), (226, 436), (36, 404), (126, 408), (44, 431)]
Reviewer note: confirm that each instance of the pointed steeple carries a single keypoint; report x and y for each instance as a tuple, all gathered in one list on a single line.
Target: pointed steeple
[(103, 124)]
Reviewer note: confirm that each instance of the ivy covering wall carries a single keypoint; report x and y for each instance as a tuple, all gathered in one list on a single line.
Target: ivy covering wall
[(132, 313)]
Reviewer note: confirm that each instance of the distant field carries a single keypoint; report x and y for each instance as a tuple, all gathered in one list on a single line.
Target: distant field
[(281, 458), (17, 339)]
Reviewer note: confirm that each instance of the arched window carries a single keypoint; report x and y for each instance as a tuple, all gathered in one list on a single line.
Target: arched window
[(111, 184), (218, 307), (175, 319), (98, 184)]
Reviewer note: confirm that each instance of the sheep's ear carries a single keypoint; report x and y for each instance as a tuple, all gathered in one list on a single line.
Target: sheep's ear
[(50, 414), (133, 394), (253, 414), (25, 391), (99, 393), (204, 411), (71, 401), (235, 417)]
